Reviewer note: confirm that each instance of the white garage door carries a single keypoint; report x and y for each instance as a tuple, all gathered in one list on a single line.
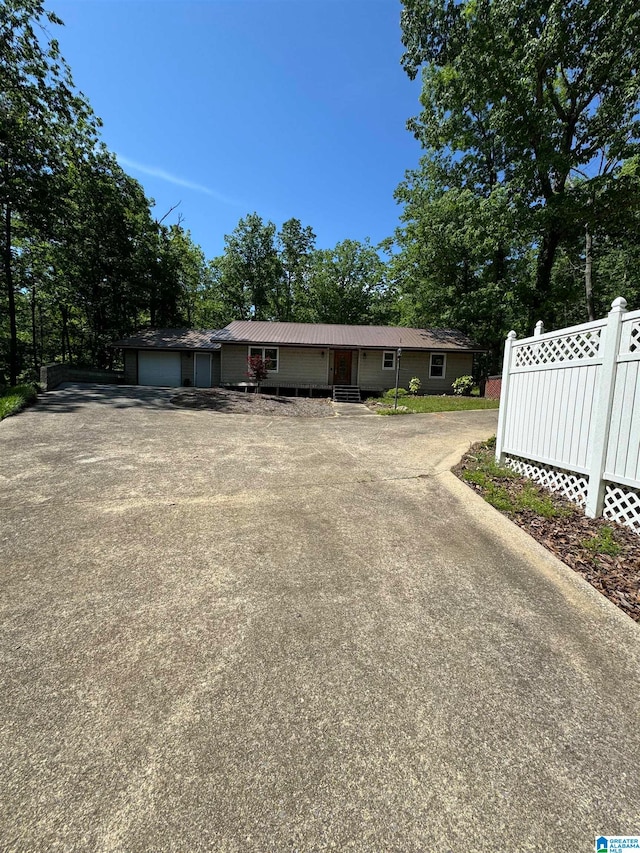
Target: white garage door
[(159, 368)]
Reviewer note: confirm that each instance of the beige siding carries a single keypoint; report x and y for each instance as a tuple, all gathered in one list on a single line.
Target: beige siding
[(215, 369), (131, 366), (372, 376), (186, 367), (307, 366), (354, 367), (298, 365)]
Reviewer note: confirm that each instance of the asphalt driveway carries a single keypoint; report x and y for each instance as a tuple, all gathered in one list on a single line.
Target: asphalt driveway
[(235, 633)]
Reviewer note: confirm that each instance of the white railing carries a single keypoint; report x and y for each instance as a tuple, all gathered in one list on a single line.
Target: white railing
[(570, 412)]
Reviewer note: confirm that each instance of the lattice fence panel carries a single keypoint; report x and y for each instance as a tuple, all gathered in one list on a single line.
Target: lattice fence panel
[(622, 504), (634, 337), (572, 485), (575, 347)]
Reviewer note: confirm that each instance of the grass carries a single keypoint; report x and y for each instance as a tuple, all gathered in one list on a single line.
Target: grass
[(14, 400), (500, 489), (428, 404), (603, 543)]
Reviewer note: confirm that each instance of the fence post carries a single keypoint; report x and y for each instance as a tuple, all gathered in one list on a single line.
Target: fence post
[(504, 396), (539, 329), (602, 408)]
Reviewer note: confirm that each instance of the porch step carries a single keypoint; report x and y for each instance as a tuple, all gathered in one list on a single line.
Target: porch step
[(346, 394)]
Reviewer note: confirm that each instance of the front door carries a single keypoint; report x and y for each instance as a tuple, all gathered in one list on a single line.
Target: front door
[(202, 377), (342, 367)]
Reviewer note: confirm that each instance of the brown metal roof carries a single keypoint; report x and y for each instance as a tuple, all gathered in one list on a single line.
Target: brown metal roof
[(171, 339), (330, 335)]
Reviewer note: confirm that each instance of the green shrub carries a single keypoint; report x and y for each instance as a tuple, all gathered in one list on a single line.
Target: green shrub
[(415, 385), (13, 400), (402, 392), (462, 386)]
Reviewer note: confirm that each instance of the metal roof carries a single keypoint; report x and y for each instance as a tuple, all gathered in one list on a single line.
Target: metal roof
[(333, 335), (301, 334), (170, 339)]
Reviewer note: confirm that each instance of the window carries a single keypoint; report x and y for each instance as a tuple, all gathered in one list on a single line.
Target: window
[(270, 353), (438, 365), (389, 359)]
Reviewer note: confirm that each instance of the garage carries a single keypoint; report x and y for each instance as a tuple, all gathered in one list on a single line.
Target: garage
[(159, 368)]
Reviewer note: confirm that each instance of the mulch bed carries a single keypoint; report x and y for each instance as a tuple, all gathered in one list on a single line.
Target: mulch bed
[(239, 403), (617, 577)]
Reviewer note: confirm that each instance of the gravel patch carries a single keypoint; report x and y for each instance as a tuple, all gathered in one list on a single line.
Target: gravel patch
[(239, 403)]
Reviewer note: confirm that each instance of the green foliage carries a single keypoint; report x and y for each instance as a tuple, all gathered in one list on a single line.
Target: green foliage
[(428, 404), (530, 128), (346, 284), (505, 489), (462, 386), (43, 120), (534, 499), (15, 399), (603, 543), (401, 410), (295, 248), (250, 270), (391, 392), (415, 385)]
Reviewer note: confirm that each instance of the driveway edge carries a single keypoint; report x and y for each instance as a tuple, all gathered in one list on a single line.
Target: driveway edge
[(518, 541)]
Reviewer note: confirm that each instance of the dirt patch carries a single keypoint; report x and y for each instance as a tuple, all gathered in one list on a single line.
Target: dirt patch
[(605, 553), (239, 403)]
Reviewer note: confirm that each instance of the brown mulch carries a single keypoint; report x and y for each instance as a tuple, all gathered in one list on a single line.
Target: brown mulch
[(239, 403), (565, 534)]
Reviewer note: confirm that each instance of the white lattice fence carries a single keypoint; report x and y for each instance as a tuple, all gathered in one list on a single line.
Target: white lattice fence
[(573, 486), (622, 504), (570, 413), (572, 347)]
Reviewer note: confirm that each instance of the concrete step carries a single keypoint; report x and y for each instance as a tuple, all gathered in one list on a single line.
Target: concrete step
[(346, 394)]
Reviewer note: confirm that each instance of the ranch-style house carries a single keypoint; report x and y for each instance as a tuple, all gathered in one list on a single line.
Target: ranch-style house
[(304, 358)]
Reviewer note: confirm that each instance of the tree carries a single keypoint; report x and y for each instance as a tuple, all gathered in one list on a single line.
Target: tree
[(250, 269), (295, 245), (41, 117), (258, 369), (526, 98), (345, 282), (461, 261)]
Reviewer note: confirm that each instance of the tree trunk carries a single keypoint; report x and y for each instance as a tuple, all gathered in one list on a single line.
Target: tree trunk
[(546, 259), (41, 330), (63, 334), (34, 331), (11, 298), (588, 270)]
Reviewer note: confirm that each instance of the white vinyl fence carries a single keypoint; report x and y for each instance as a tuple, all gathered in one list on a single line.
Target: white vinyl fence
[(570, 412)]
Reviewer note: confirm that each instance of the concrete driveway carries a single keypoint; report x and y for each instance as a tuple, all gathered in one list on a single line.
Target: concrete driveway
[(230, 633)]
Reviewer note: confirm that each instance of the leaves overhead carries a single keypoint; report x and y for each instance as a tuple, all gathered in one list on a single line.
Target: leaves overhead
[(529, 122)]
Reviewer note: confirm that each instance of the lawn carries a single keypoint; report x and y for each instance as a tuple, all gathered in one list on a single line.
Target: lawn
[(384, 405), (14, 400)]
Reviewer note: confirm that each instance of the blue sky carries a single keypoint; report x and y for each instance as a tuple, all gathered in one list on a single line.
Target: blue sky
[(285, 107)]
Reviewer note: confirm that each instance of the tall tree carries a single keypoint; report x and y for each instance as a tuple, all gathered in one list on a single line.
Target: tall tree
[(40, 117), (295, 246), (250, 269), (527, 97), (345, 282)]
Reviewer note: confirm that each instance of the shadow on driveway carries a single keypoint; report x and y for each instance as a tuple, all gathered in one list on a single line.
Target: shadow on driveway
[(71, 397)]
